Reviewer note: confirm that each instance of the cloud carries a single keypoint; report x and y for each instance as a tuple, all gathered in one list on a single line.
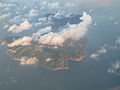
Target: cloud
[(43, 19), (4, 16), (22, 27), (101, 51), (38, 24), (25, 41), (46, 36), (114, 68), (73, 32), (5, 26), (92, 3), (50, 5), (40, 32), (61, 14), (94, 55), (118, 40), (33, 13)]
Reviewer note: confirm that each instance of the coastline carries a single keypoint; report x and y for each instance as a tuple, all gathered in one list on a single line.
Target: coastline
[(78, 59)]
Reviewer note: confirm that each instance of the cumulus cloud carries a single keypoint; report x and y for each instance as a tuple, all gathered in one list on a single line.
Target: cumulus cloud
[(25, 41), (22, 27), (114, 68), (4, 16), (46, 36), (101, 51), (74, 32)]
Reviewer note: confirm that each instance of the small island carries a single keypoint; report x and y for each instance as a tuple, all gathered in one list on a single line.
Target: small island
[(53, 57)]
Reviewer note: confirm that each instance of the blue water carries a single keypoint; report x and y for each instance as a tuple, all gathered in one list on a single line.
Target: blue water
[(88, 74)]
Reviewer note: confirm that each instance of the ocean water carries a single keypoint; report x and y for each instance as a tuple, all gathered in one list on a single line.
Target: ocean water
[(89, 74)]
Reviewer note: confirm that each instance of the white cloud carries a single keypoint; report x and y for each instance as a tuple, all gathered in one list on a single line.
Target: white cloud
[(74, 32), (118, 40), (94, 55), (69, 5), (50, 5), (38, 24), (46, 36), (25, 41), (114, 68), (22, 27), (101, 51), (40, 32), (42, 19), (33, 13)]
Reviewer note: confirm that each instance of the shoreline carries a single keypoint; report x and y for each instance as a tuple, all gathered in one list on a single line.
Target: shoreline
[(78, 59)]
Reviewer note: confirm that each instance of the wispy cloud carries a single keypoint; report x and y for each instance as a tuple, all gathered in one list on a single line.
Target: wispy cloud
[(98, 53), (4, 16), (114, 68)]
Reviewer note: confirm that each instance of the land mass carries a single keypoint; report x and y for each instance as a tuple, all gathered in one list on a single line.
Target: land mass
[(52, 57)]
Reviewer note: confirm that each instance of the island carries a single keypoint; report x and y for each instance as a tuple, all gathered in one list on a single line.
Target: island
[(53, 57)]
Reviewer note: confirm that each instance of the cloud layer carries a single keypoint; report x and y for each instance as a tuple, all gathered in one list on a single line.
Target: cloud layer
[(46, 36), (73, 32)]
